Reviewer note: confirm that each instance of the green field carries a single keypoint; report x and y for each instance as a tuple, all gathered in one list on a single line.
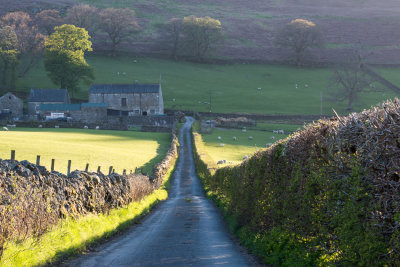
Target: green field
[(233, 87), (234, 151), (120, 149)]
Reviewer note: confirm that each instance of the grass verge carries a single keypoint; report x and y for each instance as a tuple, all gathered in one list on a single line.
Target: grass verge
[(72, 236)]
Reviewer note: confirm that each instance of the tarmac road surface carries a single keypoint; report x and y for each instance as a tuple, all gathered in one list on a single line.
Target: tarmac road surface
[(185, 230)]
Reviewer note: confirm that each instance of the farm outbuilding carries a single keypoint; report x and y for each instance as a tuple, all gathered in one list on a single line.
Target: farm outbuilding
[(11, 104), (38, 97), (129, 99)]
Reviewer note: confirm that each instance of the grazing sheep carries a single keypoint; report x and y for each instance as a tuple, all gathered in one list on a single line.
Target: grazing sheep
[(85, 127), (40, 126), (250, 137), (272, 137), (275, 131), (306, 85), (5, 129), (245, 157), (222, 144), (219, 137), (259, 88), (56, 126), (234, 138), (124, 73), (297, 86), (281, 132), (118, 73), (173, 99), (134, 61), (244, 130), (222, 161), (97, 127)]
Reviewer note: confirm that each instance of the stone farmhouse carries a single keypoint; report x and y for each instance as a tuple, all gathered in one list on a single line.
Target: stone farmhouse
[(11, 105), (38, 97), (129, 99)]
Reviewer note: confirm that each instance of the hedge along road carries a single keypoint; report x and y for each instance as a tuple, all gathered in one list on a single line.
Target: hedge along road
[(185, 230)]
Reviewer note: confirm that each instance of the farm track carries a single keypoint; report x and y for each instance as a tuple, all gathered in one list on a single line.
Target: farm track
[(185, 230)]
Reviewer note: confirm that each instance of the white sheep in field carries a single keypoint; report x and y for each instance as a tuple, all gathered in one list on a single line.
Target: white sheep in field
[(124, 73), (85, 127), (275, 131), (244, 130), (222, 161), (40, 126), (245, 157), (272, 137), (219, 137), (222, 144), (5, 129), (234, 138), (56, 126), (250, 137), (281, 132), (97, 127), (259, 88)]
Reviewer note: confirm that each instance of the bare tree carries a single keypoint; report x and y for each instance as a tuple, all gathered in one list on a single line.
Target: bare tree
[(200, 35), (47, 20), (83, 16), (299, 35), (30, 40), (173, 31), (119, 24), (350, 80)]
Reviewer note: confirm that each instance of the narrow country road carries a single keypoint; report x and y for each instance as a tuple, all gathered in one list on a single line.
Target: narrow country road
[(185, 230)]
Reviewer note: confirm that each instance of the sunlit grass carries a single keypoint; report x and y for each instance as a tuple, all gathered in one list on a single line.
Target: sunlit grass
[(120, 149)]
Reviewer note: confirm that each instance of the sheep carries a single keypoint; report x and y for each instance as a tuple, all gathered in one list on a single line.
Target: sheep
[(219, 137), (281, 132), (306, 85), (40, 126), (259, 88), (85, 127), (5, 129), (173, 99), (250, 137), (97, 127), (222, 161), (56, 126), (222, 144), (272, 137), (234, 138), (134, 61), (275, 131), (244, 130), (124, 73), (297, 86), (118, 73), (245, 157)]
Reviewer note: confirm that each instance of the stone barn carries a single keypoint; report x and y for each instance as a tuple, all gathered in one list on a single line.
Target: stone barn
[(129, 99), (38, 97), (11, 104)]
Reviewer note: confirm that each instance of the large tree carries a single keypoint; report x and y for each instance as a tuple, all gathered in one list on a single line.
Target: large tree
[(299, 35), (173, 33), (8, 55), (200, 35), (47, 20), (30, 40), (83, 16), (349, 80), (64, 57), (119, 24)]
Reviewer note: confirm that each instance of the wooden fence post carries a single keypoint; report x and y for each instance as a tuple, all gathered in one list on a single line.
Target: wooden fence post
[(38, 160), (69, 167), (87, 167), (98, 169), (110, 170), (12, 156), (52, 164), (124, 172)]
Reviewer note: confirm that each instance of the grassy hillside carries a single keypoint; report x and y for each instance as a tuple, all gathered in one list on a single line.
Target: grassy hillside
[(233, 87), (120, 149)]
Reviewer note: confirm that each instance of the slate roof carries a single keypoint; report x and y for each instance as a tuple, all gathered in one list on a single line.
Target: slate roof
[(60, 107), (48, 95), (94, 105), (123, 88)]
